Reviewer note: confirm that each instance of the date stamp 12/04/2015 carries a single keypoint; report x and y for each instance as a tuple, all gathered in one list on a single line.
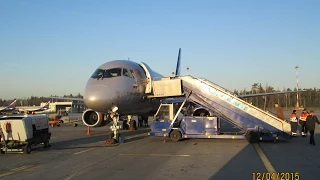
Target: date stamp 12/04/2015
[(275, 176)]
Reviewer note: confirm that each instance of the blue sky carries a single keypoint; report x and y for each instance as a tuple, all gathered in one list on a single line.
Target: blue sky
[(52, 47)]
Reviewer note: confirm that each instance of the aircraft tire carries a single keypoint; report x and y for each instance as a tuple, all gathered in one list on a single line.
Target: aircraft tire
[(112, 139), (74, 124), (175, 135)]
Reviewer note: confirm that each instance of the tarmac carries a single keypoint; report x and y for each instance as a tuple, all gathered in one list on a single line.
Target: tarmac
[(76, 155)]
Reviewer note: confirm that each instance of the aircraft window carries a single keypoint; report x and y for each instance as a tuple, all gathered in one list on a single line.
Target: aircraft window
[(97, 73), (163, 113), (115, 72), (132, 72), (127, 73)]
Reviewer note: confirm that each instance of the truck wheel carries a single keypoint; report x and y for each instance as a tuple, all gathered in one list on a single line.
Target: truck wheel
[(46, 143), (175, 135), (252, 136), (27, 149)]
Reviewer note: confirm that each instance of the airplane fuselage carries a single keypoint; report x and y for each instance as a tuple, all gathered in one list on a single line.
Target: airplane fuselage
[(121, 83)]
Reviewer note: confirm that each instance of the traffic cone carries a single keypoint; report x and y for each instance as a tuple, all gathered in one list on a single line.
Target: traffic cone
[(88, 130)]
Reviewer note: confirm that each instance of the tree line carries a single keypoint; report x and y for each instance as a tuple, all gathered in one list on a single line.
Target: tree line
[(36, 101), (310, 97)]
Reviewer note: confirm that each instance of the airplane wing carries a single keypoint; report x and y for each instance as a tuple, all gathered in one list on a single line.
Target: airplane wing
[(266, 94), (66, 98)]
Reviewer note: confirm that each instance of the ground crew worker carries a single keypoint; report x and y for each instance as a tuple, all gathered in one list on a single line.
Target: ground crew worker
[(302, 121), (310, 122), (140, 121), (279, 111), (145, 121), (294, 123)]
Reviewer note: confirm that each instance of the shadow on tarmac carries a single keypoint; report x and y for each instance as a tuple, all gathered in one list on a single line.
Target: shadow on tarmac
[(93, 141), (296, 158)]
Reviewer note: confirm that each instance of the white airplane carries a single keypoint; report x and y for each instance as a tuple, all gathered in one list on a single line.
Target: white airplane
[(9, 108), (124, 84), (43, 108)]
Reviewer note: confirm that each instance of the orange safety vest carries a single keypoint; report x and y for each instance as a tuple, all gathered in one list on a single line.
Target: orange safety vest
[(293, 117), (303, 116)]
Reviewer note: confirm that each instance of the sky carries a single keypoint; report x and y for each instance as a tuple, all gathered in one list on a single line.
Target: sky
[(52, 47)]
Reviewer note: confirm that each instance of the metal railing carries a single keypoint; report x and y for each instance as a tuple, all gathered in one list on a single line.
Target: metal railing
[(216, 85), (221, 89)]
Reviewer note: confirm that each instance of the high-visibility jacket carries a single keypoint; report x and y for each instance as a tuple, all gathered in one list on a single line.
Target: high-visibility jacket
[(293, 117), (303, 116)]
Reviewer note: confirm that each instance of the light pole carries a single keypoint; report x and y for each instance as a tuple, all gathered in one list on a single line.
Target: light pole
[(297, 76), (188, 71)]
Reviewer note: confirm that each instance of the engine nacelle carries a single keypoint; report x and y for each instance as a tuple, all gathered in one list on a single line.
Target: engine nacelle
[(92, 118)]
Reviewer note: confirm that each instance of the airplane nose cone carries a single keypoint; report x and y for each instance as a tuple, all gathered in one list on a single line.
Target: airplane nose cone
[(99, 97)]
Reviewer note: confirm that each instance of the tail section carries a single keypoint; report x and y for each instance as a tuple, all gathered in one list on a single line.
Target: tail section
[(13, 104), (178, 64), (46, 106)]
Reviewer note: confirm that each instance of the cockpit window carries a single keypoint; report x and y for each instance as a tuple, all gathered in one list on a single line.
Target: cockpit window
[(126, 72), (115, 72), (109, 73), (98, 73)]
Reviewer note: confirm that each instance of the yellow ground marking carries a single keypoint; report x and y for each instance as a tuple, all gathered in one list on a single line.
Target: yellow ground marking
[(21, 168), (264, 159), (32, 169), (6, 174)]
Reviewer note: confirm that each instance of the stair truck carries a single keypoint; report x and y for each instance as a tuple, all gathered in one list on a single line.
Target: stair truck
[(20, 133), (177, 123)]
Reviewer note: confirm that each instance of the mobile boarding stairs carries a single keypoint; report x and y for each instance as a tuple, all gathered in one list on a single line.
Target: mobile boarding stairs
[(257, 125)]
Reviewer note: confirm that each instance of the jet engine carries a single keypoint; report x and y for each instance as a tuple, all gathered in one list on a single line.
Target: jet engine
[(92, 118)]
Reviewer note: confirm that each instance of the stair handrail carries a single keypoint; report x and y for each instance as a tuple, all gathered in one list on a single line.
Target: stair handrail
[(221, 89)]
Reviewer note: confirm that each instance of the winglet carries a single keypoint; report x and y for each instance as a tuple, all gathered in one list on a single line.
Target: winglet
[(178, 64)]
